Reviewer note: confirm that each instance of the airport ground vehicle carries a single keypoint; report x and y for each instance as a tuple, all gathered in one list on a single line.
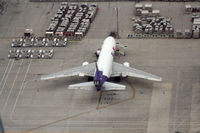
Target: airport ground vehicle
[(13, 54), (25, 53), (17, 43), (36, 54), (47, 54)]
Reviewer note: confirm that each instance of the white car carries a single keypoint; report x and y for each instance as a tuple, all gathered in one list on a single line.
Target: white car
[(16, 43), (13, 54), (25, 54), (47, 54), (35, 54)]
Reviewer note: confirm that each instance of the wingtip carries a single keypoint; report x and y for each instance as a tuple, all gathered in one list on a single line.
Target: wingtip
[(159, 79), (43, 78)]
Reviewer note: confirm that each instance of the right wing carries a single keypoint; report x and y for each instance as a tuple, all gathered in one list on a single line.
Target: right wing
[(87, 70), (121, 70)]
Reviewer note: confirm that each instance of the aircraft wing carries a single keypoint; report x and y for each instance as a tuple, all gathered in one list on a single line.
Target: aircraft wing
[(121, 70), (87, 70)]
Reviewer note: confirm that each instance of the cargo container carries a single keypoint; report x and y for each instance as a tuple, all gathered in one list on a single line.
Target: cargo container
[(178, 33), (138, 6), (156, 13), (72, 18), (65, 23), (196, 21), (60, 31), (64, 3), (144, 13), (79, 35), (196, 33), (188, 8), (148, 7), (52, 28), (187, 33), (138, 12)]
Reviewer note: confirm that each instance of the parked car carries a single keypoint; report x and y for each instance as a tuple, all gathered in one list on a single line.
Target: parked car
[(35, 54), (25, 53), (47, 54), (17, 43), (55, 41), (39, 43), (13, 54), (27, 43), (60, 43)]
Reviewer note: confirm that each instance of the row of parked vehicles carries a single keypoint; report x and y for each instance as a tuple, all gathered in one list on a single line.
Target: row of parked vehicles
[(72, 20), (39, 42), (30, 53)]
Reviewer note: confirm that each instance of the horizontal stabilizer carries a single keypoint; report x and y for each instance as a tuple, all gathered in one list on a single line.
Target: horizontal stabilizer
[(82, 86), (108, 86)]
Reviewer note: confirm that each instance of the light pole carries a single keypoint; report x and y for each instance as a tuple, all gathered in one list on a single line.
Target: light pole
[(117, 10)]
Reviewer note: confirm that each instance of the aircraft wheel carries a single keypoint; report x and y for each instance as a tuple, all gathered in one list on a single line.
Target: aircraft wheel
[(90, 78), (117, 79)]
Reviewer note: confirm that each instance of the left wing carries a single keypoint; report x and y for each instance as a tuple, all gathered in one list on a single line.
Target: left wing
[(87, 70), (121, 70)]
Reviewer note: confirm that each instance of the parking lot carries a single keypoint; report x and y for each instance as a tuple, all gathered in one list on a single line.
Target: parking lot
[(30, 105)]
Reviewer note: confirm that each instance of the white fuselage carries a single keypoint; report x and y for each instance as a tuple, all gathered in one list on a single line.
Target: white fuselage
[(105, 59)]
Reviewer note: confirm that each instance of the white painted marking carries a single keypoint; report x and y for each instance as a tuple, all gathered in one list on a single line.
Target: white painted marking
[(195, 115), (5, 72), (176, 99), (2, 88), (160, 108), (21, 88), (11, 88)]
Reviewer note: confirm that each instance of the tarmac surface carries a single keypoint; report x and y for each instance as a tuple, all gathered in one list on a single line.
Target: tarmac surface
[(30, 105)]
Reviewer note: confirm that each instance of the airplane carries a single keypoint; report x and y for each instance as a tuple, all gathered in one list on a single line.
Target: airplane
[(102, 70)]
